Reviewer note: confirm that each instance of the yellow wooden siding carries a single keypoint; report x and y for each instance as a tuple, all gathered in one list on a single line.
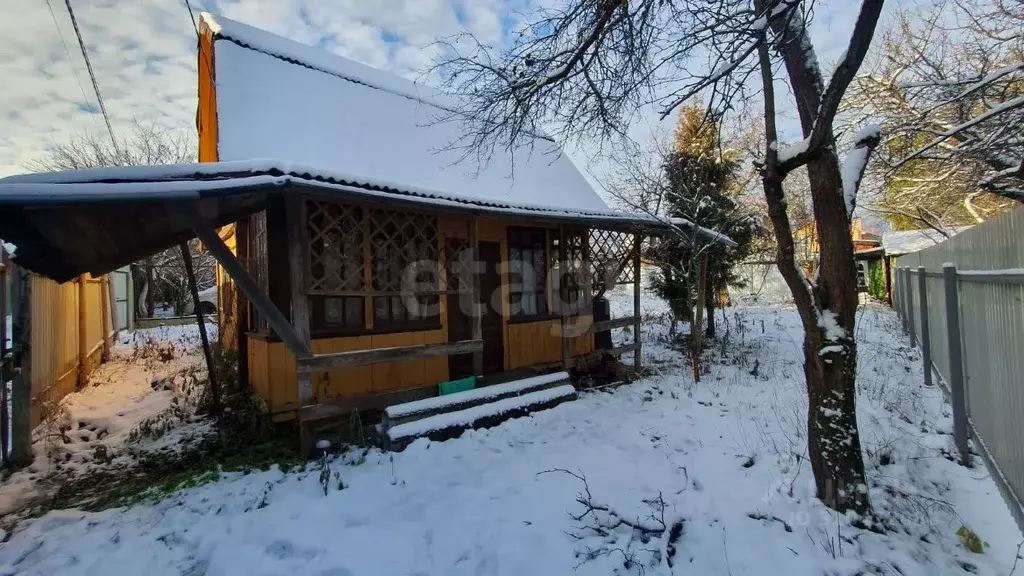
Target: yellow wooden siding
[(540, 343), (272, 369)]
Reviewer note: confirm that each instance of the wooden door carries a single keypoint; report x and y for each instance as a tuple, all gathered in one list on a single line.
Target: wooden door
[(459, 322)]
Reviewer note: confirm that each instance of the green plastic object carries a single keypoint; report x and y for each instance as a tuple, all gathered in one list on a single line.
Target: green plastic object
[(460, 385)]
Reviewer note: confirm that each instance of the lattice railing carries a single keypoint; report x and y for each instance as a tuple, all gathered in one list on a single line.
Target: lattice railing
[(572, 277), (403, 244), (610, 252), (335, 247)]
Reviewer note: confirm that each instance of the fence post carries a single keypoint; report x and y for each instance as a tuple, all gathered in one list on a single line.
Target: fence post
[(21, 391), (926, 336), (901, 296), (83, 342), (5, 267), (956, 363), (909, 305)]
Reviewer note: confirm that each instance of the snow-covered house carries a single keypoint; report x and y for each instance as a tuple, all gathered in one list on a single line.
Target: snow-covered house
[(349, 229)]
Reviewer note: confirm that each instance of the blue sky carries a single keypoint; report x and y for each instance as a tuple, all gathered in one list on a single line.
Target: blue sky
[(143, 52)]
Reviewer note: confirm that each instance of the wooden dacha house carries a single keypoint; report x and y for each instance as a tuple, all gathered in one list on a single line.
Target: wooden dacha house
[(362, 261)]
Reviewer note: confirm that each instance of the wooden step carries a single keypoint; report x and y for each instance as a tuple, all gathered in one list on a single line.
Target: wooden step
[(448, 425), (416, 410)]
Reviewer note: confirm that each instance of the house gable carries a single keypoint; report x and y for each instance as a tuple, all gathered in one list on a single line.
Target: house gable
[(279, 99)]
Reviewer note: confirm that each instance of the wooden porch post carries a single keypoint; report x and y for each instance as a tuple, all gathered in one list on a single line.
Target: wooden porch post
[(241, 303), (245, 283), (637, 240), (563, 308), (298, 275), (477, 308)]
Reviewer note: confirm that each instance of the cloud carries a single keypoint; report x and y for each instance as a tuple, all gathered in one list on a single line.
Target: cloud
[(144, 54)]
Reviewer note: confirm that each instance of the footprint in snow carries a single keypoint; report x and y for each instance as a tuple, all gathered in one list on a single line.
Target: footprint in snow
[(283, 549)]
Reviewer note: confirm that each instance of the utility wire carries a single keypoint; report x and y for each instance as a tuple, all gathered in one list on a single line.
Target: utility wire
[(192, 16), (199, 39), (67, 51), (92, 75)]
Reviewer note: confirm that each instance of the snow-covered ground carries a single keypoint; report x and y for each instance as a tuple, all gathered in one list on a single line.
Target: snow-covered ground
[(725, 456), (119, 414)]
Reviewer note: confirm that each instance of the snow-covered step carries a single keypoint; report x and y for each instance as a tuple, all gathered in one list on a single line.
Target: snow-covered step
[(402, 413), (452, 424)]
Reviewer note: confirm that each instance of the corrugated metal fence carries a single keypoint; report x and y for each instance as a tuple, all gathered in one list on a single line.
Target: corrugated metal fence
[(969, 322)]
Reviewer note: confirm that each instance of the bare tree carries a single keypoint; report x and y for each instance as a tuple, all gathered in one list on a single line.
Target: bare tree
[(586, 69), (146, 144), (948, 86), (163, 273)]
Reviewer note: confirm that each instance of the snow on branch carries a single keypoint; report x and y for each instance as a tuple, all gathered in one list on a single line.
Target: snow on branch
[(949, 89), (589, 67), (800, 54), (856, 161)]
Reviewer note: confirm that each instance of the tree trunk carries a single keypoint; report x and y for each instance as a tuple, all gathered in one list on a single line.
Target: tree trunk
[(831, 356), (827, 306), (710, 295)]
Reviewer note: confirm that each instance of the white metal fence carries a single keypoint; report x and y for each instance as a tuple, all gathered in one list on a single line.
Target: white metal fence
[(962, 301), (762, 283)]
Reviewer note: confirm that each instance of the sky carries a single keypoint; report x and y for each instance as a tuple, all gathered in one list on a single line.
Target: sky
[(144, 56)]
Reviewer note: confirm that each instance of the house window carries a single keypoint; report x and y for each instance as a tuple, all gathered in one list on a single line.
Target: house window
[(527, 265), (571, 276), (336, 282), (403, 250)]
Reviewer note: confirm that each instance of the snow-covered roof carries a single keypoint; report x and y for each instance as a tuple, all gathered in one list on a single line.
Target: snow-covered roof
[(193, 181), (281, 99), (907, 241)]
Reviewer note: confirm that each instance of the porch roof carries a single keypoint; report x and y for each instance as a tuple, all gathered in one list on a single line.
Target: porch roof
[(68, 223)]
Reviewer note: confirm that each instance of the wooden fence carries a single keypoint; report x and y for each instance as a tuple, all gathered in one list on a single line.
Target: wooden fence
[(962, 303), (67, 337), (67, 324)]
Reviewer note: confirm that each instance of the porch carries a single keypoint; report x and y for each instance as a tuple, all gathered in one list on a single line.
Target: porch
[(384, 304)]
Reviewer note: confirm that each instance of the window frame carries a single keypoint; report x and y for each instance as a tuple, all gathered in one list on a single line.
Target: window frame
[(360, 278), (520, 238), (578, 273)]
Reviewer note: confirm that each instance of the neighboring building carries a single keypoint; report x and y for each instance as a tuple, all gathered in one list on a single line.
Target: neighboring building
[(866, 246), (906, 241)]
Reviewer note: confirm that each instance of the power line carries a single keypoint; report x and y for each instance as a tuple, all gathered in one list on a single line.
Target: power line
[(199, 39), (92, 75), (192, 16), (67, 51)]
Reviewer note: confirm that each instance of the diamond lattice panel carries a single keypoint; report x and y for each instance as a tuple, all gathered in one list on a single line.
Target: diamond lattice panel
[(335, 247)]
